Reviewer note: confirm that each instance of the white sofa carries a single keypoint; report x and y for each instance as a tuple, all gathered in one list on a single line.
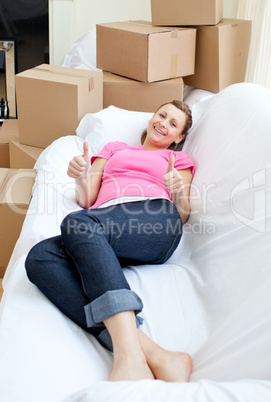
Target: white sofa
[(211, 299)]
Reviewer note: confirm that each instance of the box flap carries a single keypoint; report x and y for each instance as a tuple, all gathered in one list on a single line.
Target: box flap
[(16, 185), (232, 21), (143, 27), (9, 130), (34, 152), (59, 74)]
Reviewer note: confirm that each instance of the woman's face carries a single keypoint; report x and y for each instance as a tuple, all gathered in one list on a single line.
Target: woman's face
[(165, 127)]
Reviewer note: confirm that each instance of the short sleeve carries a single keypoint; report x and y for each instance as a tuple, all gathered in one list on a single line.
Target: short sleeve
[(106, 152), (183, 161)]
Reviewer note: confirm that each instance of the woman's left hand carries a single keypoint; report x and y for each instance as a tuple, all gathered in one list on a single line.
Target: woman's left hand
[(173, 179)]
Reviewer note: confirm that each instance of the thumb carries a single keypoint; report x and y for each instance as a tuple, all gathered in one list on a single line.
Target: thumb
[(170, 165), (86, 151)]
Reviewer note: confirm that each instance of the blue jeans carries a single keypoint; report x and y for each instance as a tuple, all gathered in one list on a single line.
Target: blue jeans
[(81, 272)]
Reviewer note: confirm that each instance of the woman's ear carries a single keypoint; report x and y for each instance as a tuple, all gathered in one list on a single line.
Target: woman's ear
[(181, 136)]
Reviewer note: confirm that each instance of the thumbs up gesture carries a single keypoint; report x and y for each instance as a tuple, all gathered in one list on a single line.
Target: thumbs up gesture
[(80, 164), (173, 179)]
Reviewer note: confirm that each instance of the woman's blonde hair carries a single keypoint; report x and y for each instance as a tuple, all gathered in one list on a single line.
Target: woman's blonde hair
[(184, 108)]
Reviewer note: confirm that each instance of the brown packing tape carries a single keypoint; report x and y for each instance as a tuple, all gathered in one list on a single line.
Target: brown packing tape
[(90, 84), (69, 74), (142, 24), (236, 54), (174, 31), (173, 66), (174, 34)]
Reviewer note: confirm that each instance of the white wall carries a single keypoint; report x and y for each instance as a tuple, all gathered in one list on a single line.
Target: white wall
[(90, 12), (69, 19), (230, 8)]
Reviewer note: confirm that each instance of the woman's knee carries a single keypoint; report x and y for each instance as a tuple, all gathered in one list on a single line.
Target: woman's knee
[(78, 224), (32, 261), (72, 223), (41, 257)]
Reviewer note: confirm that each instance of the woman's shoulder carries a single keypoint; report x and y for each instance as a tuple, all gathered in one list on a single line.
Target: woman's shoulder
[(117, 145), (181, 154)]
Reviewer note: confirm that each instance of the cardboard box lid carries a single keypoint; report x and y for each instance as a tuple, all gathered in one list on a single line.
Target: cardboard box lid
[(59, 74), (9, 130), (226, 22), (140, 27), (16, 185)]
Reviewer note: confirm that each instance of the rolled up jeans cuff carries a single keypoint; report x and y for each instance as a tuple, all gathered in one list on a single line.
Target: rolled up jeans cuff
[(111, 303), (105, 339)]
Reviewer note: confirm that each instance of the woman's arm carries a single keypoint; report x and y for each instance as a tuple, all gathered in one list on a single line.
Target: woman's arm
[(88, 180), (178, 182), (181, 198)]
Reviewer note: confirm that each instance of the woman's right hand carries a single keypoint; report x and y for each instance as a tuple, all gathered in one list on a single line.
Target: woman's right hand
[(79, 166)]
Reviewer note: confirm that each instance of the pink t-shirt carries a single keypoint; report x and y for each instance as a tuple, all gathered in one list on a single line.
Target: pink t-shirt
[(135, 171)]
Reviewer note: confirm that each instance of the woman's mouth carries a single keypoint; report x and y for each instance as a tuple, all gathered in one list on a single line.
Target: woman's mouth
[(159, 131)]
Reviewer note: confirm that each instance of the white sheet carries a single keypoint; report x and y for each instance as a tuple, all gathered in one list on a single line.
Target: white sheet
[(212, 299)]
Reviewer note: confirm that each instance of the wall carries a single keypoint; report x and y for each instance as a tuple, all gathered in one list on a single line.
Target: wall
[(230, 8), (69, 19)]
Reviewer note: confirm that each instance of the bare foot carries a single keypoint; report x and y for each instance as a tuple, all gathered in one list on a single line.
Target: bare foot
[(171, 366), (127, 368)]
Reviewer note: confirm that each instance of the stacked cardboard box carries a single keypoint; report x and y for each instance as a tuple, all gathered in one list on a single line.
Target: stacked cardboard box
[(22, 156), (13, 154), (184, 12), (222, 44), (51, 101), (16, 181), (8, 131), (146, 63), (221, 56), (15, 194), (15, 188), (139, 96)]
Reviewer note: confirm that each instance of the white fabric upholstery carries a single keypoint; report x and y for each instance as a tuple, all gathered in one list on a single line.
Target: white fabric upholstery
[(211, 299)]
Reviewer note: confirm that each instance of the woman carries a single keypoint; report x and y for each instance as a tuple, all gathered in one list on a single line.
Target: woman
[(135, 202)]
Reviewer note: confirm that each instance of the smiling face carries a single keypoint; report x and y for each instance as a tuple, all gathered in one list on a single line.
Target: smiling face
[(165, 127)]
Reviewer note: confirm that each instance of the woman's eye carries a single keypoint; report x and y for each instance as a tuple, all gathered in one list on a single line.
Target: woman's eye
[(161, 115), (173, 124)]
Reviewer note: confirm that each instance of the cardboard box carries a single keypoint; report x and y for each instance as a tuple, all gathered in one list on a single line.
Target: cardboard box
[(186, 12), (221, 55), (8, 131), (140, 96), (22, 156), (139, 51), (51, 101), (15, 195)]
